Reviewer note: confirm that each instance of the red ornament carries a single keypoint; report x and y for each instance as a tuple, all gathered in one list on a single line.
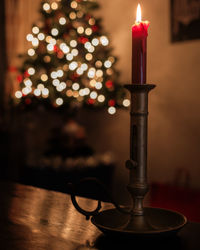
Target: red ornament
[(111, 102), (55, 48), (95, 28), (91, 101), (26, 74), (60, 54), (82, 39), (109, 84), (74, 76), (87, 17), (19, 78)]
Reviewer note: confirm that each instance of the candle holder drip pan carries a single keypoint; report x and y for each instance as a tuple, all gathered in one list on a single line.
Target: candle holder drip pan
[(156, 222)]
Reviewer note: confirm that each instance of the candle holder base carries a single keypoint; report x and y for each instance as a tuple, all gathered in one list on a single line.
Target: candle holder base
[(155, 222)]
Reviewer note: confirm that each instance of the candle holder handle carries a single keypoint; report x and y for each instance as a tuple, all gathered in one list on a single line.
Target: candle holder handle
[(74, 188)]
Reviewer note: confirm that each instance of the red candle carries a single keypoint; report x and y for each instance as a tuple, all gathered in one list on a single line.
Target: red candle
[(139, 49)]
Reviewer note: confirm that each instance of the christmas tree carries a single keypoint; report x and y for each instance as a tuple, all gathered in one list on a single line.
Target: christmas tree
[(70, 61)]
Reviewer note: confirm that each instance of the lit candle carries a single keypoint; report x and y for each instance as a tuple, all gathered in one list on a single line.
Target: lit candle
[(139, 49)]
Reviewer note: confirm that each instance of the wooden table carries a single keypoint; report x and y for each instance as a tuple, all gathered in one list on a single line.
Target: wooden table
[(35, 219)]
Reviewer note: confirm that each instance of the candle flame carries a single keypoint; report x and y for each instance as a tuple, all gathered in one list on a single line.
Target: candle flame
[(138, 15)]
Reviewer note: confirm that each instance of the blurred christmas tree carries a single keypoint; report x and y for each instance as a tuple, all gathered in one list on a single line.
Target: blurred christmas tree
[(70, 61)]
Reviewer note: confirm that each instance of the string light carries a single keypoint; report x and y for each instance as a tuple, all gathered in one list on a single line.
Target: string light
[(55, 82), (93, 95), (29, 37), (72, 15), (31, 52), (35, 42), (69, 93), (26, 90), (91, 21), (75, 86), (31, 71), (60, 73), (88, 57), (54, 6), (80, 30), (104, 40), (98, 64), (98, 85), (109, 72), (53, 75), (111, 58), (81, 92), (73, 43), (46, 6), (48, 39), (95, 41), (40, 86), (91, 49), (107, 64), (64, 48), (74, 4), (87, 45), (69, 56), (50, 47), (112, 110), (54, 32), (18, 94), (37, 92), (59, 101), (99, 73), (65, 67), (62, 21), (59, 88), (44, 77), (35, 30), (84, 66), (92, 82), (101, 98), (45, 92), (52, 41), (88, 31), (126, 102), (27, 82), (47, 59), (73, 65), (87, 91), (79, 71), (74, 52), (41, 36), (64, 85), (75, 94), (80, 14), (91, 72)]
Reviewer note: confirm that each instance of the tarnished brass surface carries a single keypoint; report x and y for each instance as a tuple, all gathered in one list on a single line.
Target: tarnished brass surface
[(156, 221)]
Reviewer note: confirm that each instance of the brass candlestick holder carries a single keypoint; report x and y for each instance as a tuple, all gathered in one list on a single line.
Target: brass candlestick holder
[(137, 220)]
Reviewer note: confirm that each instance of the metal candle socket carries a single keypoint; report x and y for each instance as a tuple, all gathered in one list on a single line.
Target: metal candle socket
[(135, 220)]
